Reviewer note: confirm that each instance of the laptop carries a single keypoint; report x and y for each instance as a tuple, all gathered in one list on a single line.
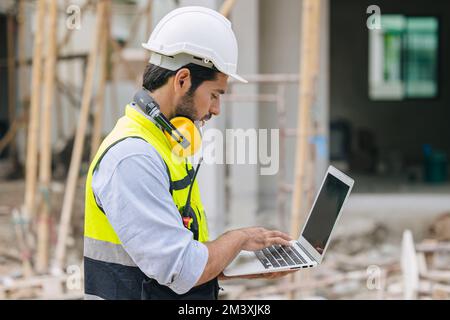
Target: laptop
[(308, 251)]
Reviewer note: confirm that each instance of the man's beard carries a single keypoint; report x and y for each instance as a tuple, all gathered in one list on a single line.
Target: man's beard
[(186, 107)]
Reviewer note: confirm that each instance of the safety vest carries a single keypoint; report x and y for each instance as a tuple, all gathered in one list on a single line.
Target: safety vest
[(110, 273)]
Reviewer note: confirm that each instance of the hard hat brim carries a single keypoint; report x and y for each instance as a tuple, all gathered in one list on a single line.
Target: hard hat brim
[(239, 78)]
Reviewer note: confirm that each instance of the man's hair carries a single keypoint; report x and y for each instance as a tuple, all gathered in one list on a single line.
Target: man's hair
[(155, 76)]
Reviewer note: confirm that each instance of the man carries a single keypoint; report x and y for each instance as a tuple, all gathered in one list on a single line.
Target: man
[(137, 244)]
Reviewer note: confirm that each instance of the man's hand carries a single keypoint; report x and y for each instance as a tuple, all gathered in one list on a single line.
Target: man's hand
[(224, 249), (260, 238)]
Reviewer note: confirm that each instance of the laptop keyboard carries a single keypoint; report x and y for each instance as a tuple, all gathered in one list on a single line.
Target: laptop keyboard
[(279, 256)]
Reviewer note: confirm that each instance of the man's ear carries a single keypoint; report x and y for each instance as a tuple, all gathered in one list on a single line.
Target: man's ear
[(182, 81)]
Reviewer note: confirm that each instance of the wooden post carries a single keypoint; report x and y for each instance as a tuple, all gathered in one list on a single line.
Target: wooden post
[(113, 92), (59, 114), (304, 100), (77, 152), (282, 124), (226, 7), (33, 126), (10, 134), (308, 49), (11, 80), (100, 101), (314, 63), (45, 168), (310, 164), (149, 22), (23, 81), (149, 18)]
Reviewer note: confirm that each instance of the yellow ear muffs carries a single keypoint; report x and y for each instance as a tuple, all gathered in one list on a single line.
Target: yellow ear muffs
[(190, 131)]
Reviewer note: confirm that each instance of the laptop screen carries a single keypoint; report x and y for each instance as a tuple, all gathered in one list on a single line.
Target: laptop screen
[(325, 212)]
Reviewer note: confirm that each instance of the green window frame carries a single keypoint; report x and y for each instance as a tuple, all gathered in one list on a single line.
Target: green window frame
[(403, 58)]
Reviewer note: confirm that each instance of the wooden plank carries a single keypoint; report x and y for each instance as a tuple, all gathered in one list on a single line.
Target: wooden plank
[(149, 21), (116, 110), (437, 275), (314, 63), (434, 247), (440, 292), (308, 50), (65, 57), (9, 136), (45, 164), (33, 126), (100, 101), (10, 27), (226, 7), (303, 117), (21, 283), (38, 287), (23, 80), (77, 152), (59, 114)]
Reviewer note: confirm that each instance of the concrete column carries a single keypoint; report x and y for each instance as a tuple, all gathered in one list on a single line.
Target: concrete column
[(243, 179)]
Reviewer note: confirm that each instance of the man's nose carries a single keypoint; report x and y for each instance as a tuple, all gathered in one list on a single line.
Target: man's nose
[(215, 108)]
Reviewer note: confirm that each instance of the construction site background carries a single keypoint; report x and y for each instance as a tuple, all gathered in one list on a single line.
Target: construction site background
[(372, 101)]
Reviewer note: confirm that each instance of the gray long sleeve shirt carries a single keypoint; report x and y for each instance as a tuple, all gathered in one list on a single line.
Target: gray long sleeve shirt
[(131, 184)]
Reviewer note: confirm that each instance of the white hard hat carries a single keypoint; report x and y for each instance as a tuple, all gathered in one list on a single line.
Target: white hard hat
[(194, 35)]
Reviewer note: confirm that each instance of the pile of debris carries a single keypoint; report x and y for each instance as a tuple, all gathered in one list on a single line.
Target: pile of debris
[(18, 279), (365, 263)]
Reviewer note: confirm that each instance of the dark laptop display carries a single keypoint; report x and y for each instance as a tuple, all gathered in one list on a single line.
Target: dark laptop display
[(325, 212)]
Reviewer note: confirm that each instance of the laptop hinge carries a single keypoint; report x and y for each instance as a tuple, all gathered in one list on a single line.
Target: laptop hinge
[(306, 252)]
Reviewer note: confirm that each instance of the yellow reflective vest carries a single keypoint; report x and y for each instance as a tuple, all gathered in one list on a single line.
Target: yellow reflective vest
[(134, 124), (102, 248)]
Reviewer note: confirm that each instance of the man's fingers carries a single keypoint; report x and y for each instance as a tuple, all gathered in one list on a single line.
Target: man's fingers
[(280, 234), (285, 236), (269, 275), (275, 275), (281, 274), (278, 240)]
